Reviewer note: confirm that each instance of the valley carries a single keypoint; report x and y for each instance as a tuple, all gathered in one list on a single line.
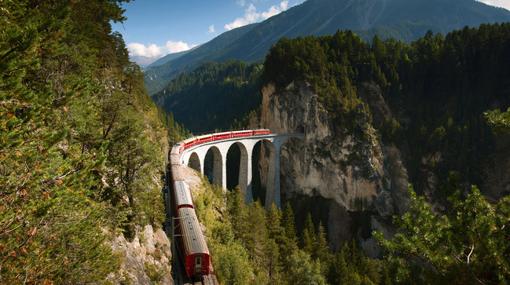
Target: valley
[(254, 142)]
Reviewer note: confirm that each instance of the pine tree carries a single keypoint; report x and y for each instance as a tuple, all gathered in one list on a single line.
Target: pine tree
[(308, 238), (238, 213), (307, 271), (275, 242), (339, 270), (288, 224), (321, 249)]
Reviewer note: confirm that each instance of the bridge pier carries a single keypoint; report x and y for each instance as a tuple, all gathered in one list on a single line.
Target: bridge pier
[(245, 171), (276, 196), (224, 172)]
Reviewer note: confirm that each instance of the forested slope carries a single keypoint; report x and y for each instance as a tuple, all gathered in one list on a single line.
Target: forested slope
[(82, 146), (392, 114), (437, 90), (213, 96), (400, 19)]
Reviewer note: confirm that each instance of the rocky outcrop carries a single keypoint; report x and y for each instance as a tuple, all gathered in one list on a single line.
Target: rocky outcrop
[(351, 181), (144, 260)]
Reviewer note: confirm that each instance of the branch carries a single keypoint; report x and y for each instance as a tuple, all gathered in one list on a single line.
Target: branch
[(471, 252)]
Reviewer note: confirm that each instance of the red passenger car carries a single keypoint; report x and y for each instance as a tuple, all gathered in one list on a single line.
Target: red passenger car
[(221, 136), (182, 195), (197, 261), (261, 132)]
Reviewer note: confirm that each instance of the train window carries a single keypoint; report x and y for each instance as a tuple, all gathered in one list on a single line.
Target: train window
[(198, 264)]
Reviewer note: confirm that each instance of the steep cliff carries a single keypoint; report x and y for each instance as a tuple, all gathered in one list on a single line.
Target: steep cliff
[(379, 116), (347, 179)]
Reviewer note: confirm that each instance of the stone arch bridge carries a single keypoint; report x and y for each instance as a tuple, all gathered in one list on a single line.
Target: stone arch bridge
[(192, 152)]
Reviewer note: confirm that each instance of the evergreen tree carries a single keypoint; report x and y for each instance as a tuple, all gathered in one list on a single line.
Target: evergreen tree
[(66, 86), (321, 248), (275, 242), (308, 241), (469, 243), (256, 236), (288, 224), (238, 214), (308, 271)]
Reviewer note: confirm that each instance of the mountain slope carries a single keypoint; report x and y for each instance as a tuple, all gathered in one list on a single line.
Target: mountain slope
[(379, 117), (157, 77), (82, 150), (401, 19), (219, 92), (167, 58)]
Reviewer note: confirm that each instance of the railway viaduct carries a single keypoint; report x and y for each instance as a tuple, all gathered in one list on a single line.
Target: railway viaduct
[(195, 157)]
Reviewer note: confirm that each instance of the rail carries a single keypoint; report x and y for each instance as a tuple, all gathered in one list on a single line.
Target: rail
[(197, 140)]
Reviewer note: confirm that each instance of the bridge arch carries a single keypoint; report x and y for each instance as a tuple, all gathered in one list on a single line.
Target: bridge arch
[(237, 166), (194, 162), (213, 165)]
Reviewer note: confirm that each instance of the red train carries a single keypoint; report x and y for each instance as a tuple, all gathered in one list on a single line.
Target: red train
[(197, 260), (220, 136)]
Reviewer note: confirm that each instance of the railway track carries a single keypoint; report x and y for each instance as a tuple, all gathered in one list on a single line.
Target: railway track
[(206, 280), (178, 272)]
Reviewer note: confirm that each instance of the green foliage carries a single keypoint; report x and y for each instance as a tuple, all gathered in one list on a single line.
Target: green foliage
[(499, 121), (220, 92), (176, 131), (235, 267), (251, 245), (467, 244), (231, 259), (308, 240), (352, 267), (152, 271), (80, 142), (307, 272), (398, 19), (436, 91)]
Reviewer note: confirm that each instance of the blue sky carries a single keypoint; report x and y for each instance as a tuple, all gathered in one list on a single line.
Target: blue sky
[(155, 28)]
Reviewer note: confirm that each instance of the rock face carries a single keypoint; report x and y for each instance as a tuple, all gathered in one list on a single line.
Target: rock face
[(145, 260), (351, 182)]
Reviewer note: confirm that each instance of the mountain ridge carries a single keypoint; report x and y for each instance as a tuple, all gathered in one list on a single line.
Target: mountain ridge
[(403, 20)]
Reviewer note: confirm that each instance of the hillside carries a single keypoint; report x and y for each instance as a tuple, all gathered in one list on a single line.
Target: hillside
[(399, 19), (158, 76), (82, 150), (220, 92), (380, 117)]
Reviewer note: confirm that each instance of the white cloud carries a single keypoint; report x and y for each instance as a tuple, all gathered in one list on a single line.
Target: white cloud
[(179, 46), (155, 51), (498, 3), (252, 16), (211, 29)]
